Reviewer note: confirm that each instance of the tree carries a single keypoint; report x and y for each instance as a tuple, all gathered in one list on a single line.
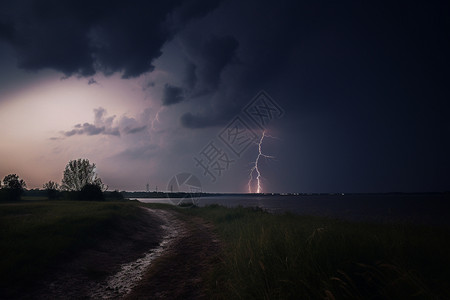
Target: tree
[(51, 185), (14, 186), (52, 189), (91, 192), (12, 181), (78, 173)]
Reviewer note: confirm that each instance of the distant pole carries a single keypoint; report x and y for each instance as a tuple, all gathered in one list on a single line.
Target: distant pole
[(148, 188)]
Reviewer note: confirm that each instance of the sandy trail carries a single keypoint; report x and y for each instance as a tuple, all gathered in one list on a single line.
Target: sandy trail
[(122, 283), (163, 255), (179, 273)]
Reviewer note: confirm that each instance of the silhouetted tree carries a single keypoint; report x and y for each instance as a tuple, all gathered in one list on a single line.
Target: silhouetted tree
[(91, 192), (79, 173), (51, 185), (52, 189), (13, 186)]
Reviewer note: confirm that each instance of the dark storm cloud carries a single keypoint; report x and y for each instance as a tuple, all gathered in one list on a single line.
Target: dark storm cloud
[(325, 56), (172, 95), (190, 77), (92, 81), (104, 125), (190, 9), (106, 36), (216, 54), (134, 130), (90, 129), (6, 30), (132, 126), (203, 120), (101, 125), (202, 77), (207, 61), (190, 120)]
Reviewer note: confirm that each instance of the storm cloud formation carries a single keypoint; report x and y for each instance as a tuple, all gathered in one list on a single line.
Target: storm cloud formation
[(104, 36), (209, 61), (364, 86), (101, 125), (104, 125), (172, 95), (327, 55)]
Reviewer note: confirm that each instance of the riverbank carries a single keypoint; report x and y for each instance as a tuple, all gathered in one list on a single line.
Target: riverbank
[(102, 250), (84, 250), (285, 256), (55, 248)]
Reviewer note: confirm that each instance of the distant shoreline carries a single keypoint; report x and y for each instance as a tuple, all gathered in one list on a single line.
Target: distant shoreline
[(414, 208), (154, 194)]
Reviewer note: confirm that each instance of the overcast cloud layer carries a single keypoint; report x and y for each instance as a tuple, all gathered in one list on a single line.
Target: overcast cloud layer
[(364, 88), (80, 38)]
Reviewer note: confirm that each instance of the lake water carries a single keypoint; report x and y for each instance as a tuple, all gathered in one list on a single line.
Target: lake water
[(421, 208)]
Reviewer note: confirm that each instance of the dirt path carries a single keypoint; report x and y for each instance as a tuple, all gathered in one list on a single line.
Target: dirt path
[(178, 274), (162, 255), (120, 284)]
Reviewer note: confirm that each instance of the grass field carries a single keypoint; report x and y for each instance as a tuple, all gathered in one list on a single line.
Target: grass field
[(265, 256), (302, 257), (36, 235)]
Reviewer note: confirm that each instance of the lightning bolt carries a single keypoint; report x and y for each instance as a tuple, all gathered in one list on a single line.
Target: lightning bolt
[(256, 165), (156, 118)]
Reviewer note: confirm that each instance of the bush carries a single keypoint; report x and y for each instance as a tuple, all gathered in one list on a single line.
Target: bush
[(91, 192), (52, 189), (13, 188)]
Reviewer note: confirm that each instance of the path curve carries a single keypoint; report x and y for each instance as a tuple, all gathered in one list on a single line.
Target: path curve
[(172, 253), (181, 271), (119, 285)]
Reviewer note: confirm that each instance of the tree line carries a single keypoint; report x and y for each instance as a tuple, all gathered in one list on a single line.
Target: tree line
[(80, 182)]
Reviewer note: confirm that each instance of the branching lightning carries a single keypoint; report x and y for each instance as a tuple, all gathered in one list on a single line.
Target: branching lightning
[(256, 165), (156, 118)]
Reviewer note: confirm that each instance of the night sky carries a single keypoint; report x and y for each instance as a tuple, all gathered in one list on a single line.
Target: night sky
[(356, 93)]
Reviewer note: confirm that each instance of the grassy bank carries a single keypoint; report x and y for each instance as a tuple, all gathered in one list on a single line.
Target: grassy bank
[(264, 256), (288, 256), (36, 235)]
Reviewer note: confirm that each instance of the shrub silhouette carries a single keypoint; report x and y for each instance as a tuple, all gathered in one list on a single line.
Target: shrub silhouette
[(91, 192), (52, 189), (13, 187)]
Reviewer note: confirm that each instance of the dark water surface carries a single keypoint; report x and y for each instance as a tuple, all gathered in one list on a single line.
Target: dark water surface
[(418, 208)]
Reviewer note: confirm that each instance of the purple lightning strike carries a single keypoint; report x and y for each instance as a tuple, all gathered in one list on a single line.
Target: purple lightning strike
[(156, 118), (256, 166)]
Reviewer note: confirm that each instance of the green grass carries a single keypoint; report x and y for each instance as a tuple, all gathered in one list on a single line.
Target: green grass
[(265, 256), (36, 235), (288, 256)]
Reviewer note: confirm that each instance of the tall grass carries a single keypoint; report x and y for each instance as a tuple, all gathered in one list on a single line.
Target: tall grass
[(36, 235), (288, 256)]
